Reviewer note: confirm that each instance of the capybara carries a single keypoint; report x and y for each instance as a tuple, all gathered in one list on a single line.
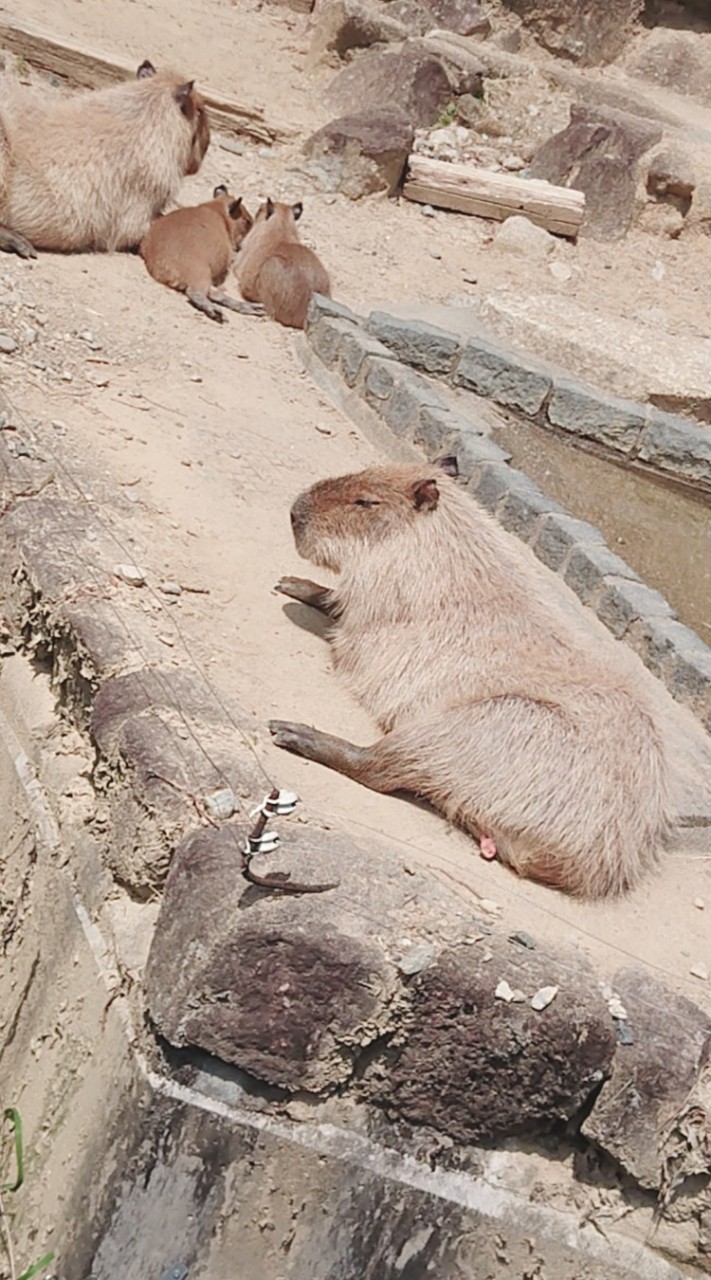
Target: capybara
[(92, 170), (276, 269), (191, 250), (489, 705)]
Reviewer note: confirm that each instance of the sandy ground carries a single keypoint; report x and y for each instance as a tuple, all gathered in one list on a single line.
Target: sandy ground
[(201, 437)]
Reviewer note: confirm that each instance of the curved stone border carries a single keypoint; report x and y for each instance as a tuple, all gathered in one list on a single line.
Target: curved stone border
[(576, 550), (670, 446)]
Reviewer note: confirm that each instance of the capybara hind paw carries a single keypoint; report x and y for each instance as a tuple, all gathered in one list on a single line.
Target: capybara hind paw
[(487, 848), (11, 242), (292, 737)]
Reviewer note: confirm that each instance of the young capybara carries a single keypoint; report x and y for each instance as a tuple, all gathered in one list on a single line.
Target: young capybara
[(191, 250), (92, 170), (276, 269), (490, 707)]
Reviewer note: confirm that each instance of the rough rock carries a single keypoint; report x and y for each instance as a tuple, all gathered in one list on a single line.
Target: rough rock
[(466, 17), (671, 174), (589, 31), (597, 153), (422, 345), (589, 412), (340, 25), (361, 154), (677, 60), (503, 375), (478, 1068), (520, 236), (651, 1078), (410, 80)]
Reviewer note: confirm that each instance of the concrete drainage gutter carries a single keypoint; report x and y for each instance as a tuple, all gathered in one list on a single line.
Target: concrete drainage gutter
[(372, 360), (317, 1087)]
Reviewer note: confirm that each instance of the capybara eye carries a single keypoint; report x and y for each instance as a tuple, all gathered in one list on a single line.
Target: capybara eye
[(366, 502)]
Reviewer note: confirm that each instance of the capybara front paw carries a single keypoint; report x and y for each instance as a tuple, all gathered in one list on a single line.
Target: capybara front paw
[(292, 737), (291, 587)]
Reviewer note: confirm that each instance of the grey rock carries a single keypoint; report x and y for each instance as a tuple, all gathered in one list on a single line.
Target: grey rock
[(492, 483), (7, 344), (523, 506), (676, 655), (361, 154), (466, 17), (678, 447), (521, 237), (671, 174), (472, 449), (402, 408), (588, 566), (435, 428), (479, 1068), (585, 411), (557, 536), (354, 349), (422, 345), (622, 602), (320, 306), (589, 32), (503, 375), (597, 153), (350, 24), (651, 1078), (379, 381), (326, 337)]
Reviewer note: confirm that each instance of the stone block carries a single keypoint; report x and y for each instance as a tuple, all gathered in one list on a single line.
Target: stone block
[(354, 349), (678, 447), (588, 566), (320, 305), (523, 507), (435, 428), (502, 375), (326, 337), (401, 410), (675, 653), (492, 483), (418, 344), (651, 1078), (479, 1068), (585, 411), (380, 380), (472, 449), (622, 602), (558, 535)]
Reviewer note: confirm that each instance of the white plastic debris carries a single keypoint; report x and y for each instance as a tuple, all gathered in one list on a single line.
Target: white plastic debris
[(543, 998)]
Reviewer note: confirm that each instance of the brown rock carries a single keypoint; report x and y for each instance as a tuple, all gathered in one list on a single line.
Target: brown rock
[(340, 25), (651, 1078), (587, 31), (671, 174), (678, 60), (361, 154), (409, 80), (478, 1067), (597, 153)]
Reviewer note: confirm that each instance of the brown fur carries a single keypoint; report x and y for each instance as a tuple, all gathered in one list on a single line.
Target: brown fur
[(490, 705), (92, 170), (191, 249), (275, 269)]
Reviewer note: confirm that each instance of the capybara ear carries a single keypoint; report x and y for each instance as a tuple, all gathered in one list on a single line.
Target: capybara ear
[(425, 495), (146, 69), (235, 208), (270, 206), (448, 463), (219, 191), (182, 96), (297, 210)]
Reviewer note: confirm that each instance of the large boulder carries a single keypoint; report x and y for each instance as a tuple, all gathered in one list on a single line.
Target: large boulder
[(410, 80), (598, 153), (361, 154), (340, 25), (587, 31)]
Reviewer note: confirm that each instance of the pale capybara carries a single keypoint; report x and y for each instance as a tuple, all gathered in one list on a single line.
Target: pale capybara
[(192, 249), (92, 170), (276, 269), (490, 706)]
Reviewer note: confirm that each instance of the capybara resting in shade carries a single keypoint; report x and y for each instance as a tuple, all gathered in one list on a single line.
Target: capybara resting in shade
[(92, 170), (191, 250), (276, 269), (489, 706)]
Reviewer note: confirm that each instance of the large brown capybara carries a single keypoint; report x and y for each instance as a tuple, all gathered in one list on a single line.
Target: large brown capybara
[(490, 706), (93, 170)]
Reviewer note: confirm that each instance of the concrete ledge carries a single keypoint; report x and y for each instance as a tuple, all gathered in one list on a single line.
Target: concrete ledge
[(411, 408), (673, 447)]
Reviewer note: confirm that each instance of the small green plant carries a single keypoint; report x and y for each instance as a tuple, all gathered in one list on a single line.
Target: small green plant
[(12, 1150), (448, 116)]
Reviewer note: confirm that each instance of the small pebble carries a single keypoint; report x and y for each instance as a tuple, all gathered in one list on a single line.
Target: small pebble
[(39, 363), (168, 640), (543, 998), (513, 163), (7, 344), (427, 211), (624, 1033), (469, 277), (489, 906), (417, 959), (699, 904), (329, 199), (434, 253), (233, 145), (58, 425), (503, 991), (523, 938), (67, 375), (560, 271), (170, 588), (616, 1008), (221, 803), (699, 971), (195, 377), (131, 574), (264, 152)]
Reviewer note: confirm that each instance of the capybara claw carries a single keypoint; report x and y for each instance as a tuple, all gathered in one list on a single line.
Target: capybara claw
[(289, 736)]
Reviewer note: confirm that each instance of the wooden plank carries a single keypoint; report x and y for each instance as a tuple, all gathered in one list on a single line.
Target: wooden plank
[(468, 189), (92, 70)]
